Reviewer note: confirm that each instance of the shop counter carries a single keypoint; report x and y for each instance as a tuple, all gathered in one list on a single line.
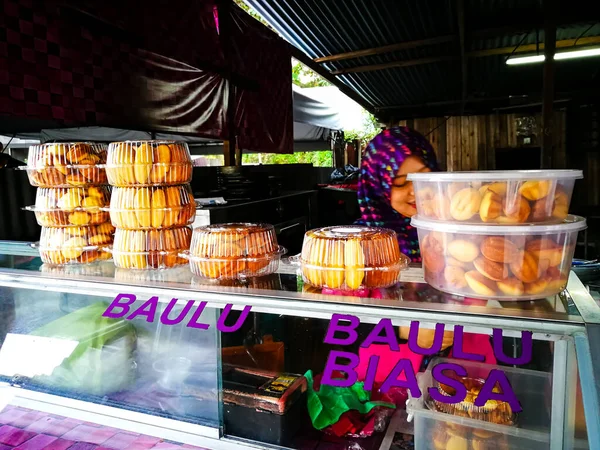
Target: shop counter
[(88, 342)]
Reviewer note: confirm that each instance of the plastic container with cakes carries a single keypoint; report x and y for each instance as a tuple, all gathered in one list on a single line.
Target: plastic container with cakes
[(234, 250), (148, 163), (63, 165), (442, 426), (154, 207), (503, 197), (498, 262), (150, 249), (75, 245), (77, 206), (351, 257)]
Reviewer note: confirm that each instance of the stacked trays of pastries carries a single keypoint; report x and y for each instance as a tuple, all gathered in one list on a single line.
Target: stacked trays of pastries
[(351, 257), (72, 193), (152, 204), (234, 251), (497, 235)]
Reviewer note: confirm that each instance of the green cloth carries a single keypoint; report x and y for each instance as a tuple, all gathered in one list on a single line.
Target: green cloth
[(326, 406)]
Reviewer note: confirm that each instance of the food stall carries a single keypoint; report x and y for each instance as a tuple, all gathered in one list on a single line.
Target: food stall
[(217, 338)]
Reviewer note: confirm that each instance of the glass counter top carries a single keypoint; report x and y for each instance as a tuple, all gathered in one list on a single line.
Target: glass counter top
[(284, 293)]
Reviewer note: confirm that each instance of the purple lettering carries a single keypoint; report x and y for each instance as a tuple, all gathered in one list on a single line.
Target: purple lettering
[(388, 338), (238, 324), (457, 349), (349, 329), (526, 348), (410, 382), (147, 309), (440, 377), (164, 317), (507, 395), (371, 372), (413, 339), (117, 303), (193, 323), (332, 365)]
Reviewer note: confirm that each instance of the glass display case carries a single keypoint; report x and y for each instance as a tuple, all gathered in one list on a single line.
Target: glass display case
[(242, 364)]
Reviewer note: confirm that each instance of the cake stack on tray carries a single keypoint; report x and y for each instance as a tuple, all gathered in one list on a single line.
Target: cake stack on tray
[(152, 203), (72, 192), (504, 235)]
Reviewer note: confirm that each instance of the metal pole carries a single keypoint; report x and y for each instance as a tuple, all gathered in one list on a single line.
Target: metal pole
[(548, 93)]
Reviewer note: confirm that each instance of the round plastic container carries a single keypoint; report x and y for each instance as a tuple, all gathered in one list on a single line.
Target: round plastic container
[(351, 257), (64, 207), (148, 163), (504, 197), (75, 245), (152, 207), (66, 165), (234, 250), (150, 249), (498, 262)]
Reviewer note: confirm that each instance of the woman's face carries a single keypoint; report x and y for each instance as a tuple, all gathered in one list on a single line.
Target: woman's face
[(403, 196)]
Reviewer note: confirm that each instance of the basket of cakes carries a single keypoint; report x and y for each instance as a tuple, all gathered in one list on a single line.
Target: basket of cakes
[(502, 235), (351, 258), (152, 204), (234, 251), (441, 425), (70, 201)]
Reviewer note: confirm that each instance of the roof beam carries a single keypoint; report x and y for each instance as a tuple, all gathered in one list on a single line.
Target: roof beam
[(394, 64), (386, 49), (472, 54), (533, 47)]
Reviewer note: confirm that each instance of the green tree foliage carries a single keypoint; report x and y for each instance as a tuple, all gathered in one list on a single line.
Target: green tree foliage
[(322, 158)]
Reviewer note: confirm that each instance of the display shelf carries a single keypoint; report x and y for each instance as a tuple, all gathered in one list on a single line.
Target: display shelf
[(41, 294)]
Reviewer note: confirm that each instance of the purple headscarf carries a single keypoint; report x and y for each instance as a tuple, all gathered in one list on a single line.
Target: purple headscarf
[(380, 163)]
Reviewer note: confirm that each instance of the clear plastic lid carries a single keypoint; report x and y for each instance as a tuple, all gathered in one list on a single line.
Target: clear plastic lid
[(351, 257), (152, 207), (75, 245), (66, 164), (234, 250), (497, 175), (62, 207), (570, 224), (148, 163), (150, 249), (234, 240)]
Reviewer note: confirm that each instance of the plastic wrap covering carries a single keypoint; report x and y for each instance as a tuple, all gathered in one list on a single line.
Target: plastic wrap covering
[(102, 362)]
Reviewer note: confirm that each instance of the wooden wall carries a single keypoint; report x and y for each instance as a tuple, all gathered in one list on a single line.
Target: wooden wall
[(469, 142)]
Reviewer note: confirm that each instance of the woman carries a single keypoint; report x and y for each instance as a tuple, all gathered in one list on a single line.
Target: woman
[(385, 197)]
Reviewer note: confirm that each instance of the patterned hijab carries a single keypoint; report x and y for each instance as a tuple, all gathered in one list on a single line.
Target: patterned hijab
[(380, 163)]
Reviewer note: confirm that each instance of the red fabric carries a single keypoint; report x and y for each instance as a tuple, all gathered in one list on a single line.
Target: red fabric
[(387, 360), (479, 344), (151, 65), (264, 114)]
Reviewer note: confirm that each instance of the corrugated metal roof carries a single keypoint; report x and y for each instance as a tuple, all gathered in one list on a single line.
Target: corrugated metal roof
[(327, 27)]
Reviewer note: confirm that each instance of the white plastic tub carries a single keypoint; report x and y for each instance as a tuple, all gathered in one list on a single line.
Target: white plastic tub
[(505, 197), (435, 430), (495, 261)]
